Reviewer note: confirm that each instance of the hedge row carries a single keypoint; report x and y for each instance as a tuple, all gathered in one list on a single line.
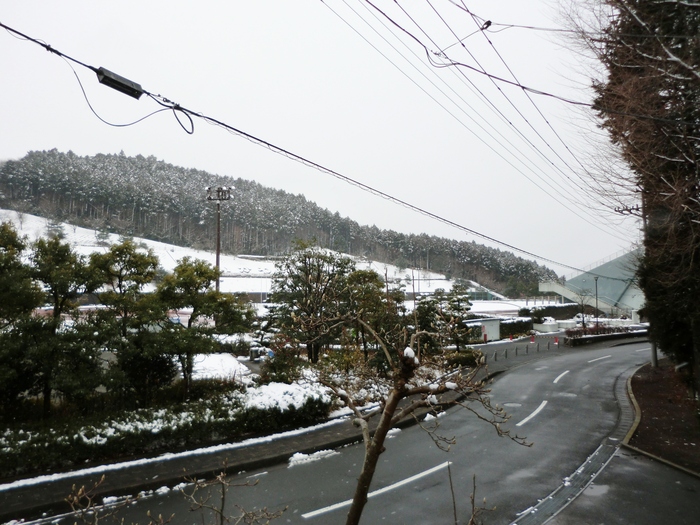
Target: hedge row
[(516, 328), (25, 453)]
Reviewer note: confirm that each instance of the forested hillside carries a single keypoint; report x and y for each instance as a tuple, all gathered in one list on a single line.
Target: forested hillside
[(149, 198)]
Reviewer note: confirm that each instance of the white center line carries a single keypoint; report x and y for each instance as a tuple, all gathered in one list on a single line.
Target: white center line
[(537, 411), (560, 376), (604, 357), (398, 484)]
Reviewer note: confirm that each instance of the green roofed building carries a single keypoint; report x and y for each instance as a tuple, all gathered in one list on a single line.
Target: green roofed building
[(614, 281)]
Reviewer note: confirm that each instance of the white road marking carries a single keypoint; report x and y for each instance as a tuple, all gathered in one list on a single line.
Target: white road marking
[(537, 411), (644, 350), (604, 357), (560, 376), (398, 484)]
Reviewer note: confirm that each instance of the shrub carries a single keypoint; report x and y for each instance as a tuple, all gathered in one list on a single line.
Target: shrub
[(574, 333), (466, 357), (516, 328), (563, 311), (284, 366), (237, 347), (148, 431)]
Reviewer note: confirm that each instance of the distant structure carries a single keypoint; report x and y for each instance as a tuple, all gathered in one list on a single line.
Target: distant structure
[(611, 285)]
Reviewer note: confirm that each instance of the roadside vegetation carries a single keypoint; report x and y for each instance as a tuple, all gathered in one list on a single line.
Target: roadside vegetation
[(646, 101), (93, 367), (114, 379)]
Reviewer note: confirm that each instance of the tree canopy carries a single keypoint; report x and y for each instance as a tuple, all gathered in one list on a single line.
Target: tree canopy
[(649, 103)]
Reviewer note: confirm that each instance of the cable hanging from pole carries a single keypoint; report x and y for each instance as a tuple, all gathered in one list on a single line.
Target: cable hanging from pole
[(133, 89)]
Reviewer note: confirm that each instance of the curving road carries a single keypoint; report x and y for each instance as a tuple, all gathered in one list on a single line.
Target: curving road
[(564, 404)]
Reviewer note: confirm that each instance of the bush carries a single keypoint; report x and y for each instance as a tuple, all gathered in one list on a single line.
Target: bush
[(238, 347), (284, 366), (467, 358), (516, 328), (148, 431), (559, 312), (258, 420)]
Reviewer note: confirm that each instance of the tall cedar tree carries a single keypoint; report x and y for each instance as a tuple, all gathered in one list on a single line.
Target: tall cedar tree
[(650, 105)]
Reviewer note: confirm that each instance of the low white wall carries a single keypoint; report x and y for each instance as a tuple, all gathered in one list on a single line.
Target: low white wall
[(546, 327)]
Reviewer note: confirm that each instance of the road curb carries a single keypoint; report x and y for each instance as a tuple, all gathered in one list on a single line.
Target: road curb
[(635, 406)]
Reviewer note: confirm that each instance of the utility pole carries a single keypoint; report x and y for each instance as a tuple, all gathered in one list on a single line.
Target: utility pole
[(641, 211), (595, 278), (218, 194)]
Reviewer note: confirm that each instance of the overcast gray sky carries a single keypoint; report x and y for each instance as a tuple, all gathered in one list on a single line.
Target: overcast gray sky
[(336, 83)]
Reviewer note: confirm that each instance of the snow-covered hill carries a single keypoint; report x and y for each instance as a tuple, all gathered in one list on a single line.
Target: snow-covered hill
[(243, 273)]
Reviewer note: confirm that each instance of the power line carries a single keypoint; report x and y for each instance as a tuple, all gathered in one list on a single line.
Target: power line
[(521, 157), (527, 121), (553, 183), (115, 125), (595, 34), (452, 63), (163, 101), (479, 21)]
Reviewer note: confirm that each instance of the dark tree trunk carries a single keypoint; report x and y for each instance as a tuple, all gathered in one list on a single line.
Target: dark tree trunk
[(312, 351), (695, 357), (46, 392), (372, 453)]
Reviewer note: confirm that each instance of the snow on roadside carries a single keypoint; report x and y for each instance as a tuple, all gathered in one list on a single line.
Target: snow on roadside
[(302, 459), (284, 396)]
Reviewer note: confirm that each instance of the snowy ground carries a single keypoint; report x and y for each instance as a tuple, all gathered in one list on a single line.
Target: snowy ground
[(244, 273), (241, 274), (252, 274), (218, 366)]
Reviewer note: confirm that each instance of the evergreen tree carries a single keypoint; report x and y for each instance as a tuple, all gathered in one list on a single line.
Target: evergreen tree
[(366, 293), (649, 103), (64, 274), (190, 286), (19, 296), (135, 321), (311, 288), (55, 352), (456, 311), (125, 271)]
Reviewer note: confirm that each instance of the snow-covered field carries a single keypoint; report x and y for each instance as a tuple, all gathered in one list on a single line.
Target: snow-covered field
[(249, 274), (245, 273)]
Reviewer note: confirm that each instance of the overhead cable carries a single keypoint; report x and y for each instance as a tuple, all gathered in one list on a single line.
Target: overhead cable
[(552, 183), (166, 103)]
